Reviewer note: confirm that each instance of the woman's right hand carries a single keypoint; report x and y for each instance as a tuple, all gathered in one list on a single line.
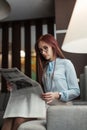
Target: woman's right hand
[(9, 86), (50, 96)]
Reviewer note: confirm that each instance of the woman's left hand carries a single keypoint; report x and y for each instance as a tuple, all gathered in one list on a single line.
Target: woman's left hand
[(50, 96)]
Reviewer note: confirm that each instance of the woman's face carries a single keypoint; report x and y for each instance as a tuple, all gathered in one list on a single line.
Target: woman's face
[(46, 51)]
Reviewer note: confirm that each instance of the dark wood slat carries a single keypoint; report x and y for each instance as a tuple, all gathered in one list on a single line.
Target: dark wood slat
[(27, 49), (50, 26), (5, 48), (16, 45), (38, 34)]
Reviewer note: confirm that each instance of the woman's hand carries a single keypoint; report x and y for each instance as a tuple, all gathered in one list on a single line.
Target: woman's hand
[(9, 86), (50, 96)]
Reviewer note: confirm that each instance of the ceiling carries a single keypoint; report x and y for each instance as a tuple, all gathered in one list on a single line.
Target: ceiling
[(30, 9)]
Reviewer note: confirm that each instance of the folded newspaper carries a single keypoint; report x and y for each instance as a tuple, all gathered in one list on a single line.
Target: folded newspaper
[(18, 78), (25, 102)]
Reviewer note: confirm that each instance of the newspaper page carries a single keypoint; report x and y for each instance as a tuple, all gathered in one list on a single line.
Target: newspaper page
[(18, 78), (25, 102)]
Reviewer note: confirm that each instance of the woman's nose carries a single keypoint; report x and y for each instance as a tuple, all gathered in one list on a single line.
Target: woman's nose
[(43, 52)]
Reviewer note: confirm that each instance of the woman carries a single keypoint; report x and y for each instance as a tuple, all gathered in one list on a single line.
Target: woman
[(59, 77)]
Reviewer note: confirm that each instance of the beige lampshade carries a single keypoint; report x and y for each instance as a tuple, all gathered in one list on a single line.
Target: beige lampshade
[(4, 9), (76, 36)]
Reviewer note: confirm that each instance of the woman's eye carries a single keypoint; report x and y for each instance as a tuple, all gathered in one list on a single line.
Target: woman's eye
[(45, 47)]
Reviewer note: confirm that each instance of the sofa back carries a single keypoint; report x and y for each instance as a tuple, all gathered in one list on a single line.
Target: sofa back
[(83, 85)]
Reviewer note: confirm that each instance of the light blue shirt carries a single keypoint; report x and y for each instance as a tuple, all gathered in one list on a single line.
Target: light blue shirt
[(63, 81)]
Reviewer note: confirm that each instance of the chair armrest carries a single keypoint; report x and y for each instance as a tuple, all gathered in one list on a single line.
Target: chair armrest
[(72, 117)]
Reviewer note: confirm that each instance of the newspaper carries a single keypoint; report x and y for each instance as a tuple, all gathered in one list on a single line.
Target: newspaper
[(25, 102), (17, 78)]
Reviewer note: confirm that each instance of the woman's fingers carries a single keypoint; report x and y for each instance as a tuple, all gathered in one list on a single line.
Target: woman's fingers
[(9, 86), (48, 97)]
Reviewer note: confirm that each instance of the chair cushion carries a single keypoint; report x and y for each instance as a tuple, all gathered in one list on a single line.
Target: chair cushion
[(33, 125)]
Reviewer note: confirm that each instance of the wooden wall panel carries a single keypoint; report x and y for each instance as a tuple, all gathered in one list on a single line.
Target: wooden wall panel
[(50, 26), (16, 45), (27, 49), (38, 34), (5, 46)]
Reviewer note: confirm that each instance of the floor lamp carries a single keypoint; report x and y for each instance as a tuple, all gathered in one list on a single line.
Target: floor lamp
[(75, 40), (76, 37)]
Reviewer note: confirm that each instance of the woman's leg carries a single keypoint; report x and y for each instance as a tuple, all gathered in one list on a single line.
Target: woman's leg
[(7, 124), (19, 120)]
